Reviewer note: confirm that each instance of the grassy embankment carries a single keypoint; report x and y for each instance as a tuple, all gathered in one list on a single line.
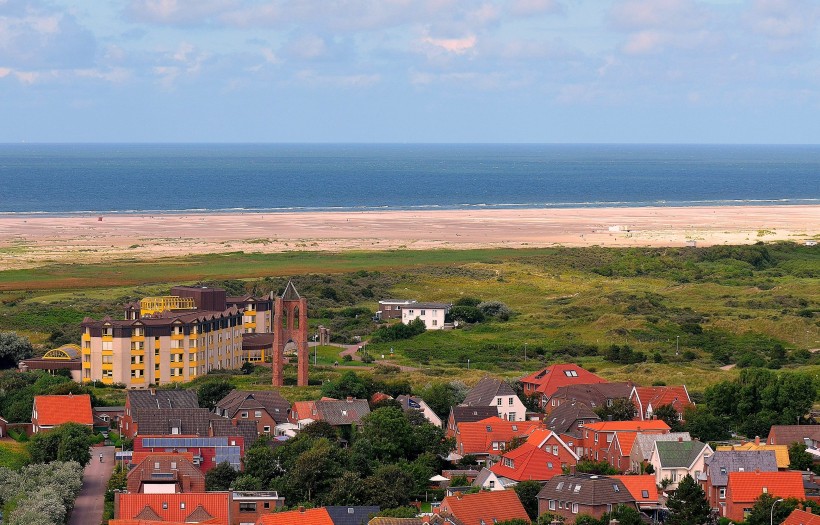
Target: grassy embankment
[(747, 305)]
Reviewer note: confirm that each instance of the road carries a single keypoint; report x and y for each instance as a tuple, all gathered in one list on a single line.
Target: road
[(88, 509)]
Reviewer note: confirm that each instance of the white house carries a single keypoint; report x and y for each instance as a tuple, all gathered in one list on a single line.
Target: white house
[(673, 460), (431, 313), (498, 394)]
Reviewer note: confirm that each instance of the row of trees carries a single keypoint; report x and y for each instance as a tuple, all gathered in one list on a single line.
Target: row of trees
[(388, 462), (41, 494)]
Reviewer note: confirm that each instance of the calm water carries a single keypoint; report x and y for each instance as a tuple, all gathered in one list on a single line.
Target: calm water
[(137, 178)]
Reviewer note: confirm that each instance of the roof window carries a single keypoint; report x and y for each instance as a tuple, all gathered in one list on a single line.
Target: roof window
[(570, 373)]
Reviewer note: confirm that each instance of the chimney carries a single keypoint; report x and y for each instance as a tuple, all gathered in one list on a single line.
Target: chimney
[(349, 399), (680, 439), (757, 440), (638, 428), (301, 508), (186, 483), (458, 495), (572, 469), (153, 391), (808, 509)]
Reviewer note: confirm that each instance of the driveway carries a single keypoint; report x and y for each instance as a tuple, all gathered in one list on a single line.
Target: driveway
[(88, 509)]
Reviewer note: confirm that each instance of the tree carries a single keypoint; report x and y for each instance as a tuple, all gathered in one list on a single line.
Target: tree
[(466, 314), (688, 505), (67, 442), (762, 512), (389, 487), (621, 409), (349, 384), (705, 425), (399, 512), (346, 491), (528, 494), (220, 477), (320, 429), (13, 349), (799, 459), (590, 466), (669, 415), (514, 521), (440, 397), (624, 514), (211, 392), (495, 309), (261, 463)]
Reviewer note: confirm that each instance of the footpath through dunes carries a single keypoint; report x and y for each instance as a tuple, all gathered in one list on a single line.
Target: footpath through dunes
[(30, 241)]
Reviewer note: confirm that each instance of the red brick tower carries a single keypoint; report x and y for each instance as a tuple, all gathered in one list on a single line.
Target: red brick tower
[(290, 325)]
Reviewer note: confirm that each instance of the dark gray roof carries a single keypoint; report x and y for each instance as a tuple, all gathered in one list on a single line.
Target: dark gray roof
[(227, 427), (594, 395), (162, 399), (431, 306), (290, 293), (342, 412), (485, 390), (644, 443), (564, 418), (678, 454), (161, 421), (724, 461), (352, 515), (270, 401), (587, 489), (467, 414)]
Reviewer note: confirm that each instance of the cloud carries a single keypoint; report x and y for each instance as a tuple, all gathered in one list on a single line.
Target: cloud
[(667, 15), (457, 46), (37, 39), (784, 19), (535, 7)]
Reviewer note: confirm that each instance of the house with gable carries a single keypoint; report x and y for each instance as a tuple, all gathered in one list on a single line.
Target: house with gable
[(165, 473), (488, 439), (781, 452), (645, 443), (597, 437), (265, 408), (483, 508), (573, 494), (723, 462), (594, 395), (467, 414), (743, 488), (545, 382), (526, 462), (554, 446), (351, 514), (51, 411), (674, 460), (645, 492), (808, 435), (499, 394), (409, 402), (212, 508), (647, 399), (569, 418), (340, 413), (140, 407)]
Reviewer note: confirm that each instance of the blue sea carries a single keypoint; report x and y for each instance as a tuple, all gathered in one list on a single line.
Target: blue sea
[(138, 178)]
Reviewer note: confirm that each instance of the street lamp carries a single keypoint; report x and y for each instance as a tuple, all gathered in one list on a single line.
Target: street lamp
[(677, 344), (525, 351), (771, 513)]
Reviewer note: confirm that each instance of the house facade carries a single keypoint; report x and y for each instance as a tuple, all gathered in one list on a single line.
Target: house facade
[(499, 394), (483, 508), (720, 464), (574, 494), (265, 408), (51, 411), (743, 488), (391, 308), (545, 382), (647, 399), (674, 460), (432, 314)]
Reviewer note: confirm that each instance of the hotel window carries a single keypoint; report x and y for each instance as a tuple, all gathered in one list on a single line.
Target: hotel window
[(108, 373), (107, 331), (107, 359), (139, 332), (192, 370), (136, 359), (108, 345), (136, 373)]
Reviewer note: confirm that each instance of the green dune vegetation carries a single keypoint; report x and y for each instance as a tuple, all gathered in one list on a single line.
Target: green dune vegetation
[(652, 315)]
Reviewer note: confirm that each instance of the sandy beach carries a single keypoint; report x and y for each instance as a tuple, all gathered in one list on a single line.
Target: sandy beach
[(33, 241)]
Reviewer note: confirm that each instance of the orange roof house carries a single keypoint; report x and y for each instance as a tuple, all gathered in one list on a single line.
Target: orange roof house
[(643, 489), (647, 399), (483, 508), (302, 516), (50, 411), (743, 488), (184, 508), (802, 517), (527, 462), (547, 381), (490, 436)]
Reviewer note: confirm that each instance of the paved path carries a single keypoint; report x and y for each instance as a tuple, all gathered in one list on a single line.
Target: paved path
[(88, 509)]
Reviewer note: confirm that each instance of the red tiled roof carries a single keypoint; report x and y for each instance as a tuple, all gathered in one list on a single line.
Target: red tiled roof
[(655, 425), (302, 517), (476, 437), (553, 377), (56, 410), (801, 517), (214, 521), (657, 396), (539, 435), (626, 440), (528, 463), (636, 485), (304, 409), (168, 506), (485, 508), (139, 457), (748, 486)]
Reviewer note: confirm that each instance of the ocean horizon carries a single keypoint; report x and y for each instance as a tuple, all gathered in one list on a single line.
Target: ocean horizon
[(71, 179)]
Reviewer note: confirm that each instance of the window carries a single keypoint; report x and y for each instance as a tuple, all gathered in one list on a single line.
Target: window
[(674, 476), (351, 510), (512, 417), (723, 470), (266, 429), (423, 312), (560, 486), (575, 508), (577, 488), (722, 493), (552, 504), (173, 465), (257, 413), (495, 445), (498, 401), (765, 490), (615, 487), (108, 345), (182, 505), (644, 494), (555, 450), (165, 505), (570, 373), (247, 506), (511, 402), (549, 465), (435, 322), (492, 484), (156, 465)]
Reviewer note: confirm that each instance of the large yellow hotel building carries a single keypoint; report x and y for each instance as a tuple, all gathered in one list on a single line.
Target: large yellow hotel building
[(175, 338)]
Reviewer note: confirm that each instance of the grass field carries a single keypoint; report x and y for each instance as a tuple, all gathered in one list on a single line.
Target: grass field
[(13, 454), (689, 311)]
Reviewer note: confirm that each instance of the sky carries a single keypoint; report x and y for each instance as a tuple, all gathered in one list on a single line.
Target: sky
[(554, 71)]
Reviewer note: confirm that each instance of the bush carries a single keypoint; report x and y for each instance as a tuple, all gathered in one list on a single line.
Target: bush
[(399, 331), (466, 314), (495, 309)]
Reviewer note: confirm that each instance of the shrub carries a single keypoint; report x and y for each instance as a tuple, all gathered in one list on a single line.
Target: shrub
[(495, 309)]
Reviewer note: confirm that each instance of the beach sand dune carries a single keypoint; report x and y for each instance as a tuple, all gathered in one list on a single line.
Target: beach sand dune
[(27, 241)]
